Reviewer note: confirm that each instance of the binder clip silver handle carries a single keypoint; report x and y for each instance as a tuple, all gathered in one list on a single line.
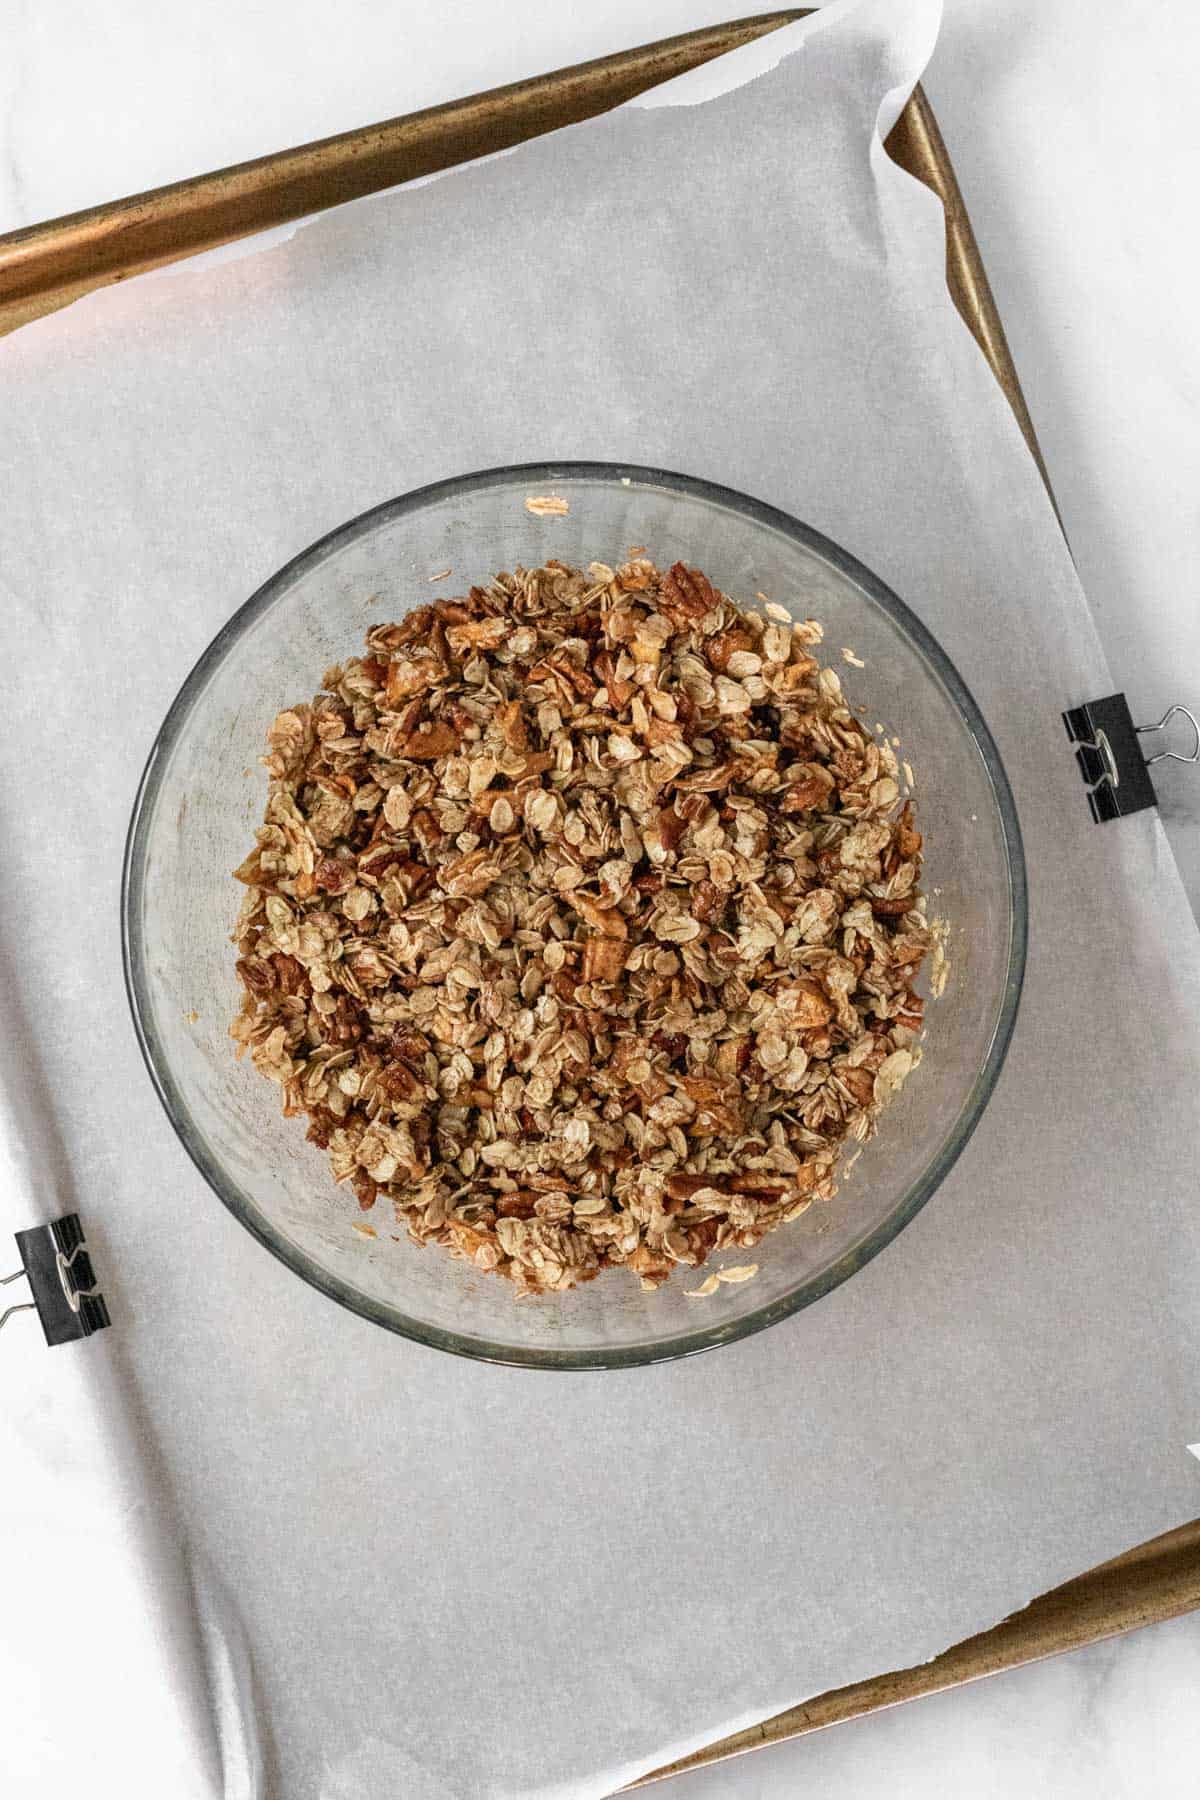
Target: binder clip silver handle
[(1172, 712), (21, 1305)]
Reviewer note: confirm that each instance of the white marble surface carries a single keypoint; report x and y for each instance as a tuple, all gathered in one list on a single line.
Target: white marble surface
[(1071, 127)]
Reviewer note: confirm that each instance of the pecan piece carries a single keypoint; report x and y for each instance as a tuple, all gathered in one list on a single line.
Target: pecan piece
[(399, 1082), (333, 876), (409, 1046), (649, 1264), (861, 1084), (346, 1024), (619, 692), (429, 742), (604, 919), (477, 634), (811, 789), (891, 909), (603, 959), (723, 644), (811, 1007), (511, 721), (686, 595), (321, 1126), (256, 975), (708, 902), (291, 977), (409, 675), (684, 1187), (908, 838), (366, 1189), (426, 830), (912, 1013), (517, 1206)]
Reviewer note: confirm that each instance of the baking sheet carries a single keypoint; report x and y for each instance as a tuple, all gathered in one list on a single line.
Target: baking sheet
[(423, 1577)]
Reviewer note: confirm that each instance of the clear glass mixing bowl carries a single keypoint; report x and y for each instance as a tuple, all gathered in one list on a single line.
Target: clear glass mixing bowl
[(196, 812)]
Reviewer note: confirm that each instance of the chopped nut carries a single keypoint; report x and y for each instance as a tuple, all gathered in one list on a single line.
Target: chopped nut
[(685, 595), (429, 742)]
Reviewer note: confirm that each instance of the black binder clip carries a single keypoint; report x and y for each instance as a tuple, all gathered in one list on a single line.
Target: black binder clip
[(61, 1279), (1114, 770)]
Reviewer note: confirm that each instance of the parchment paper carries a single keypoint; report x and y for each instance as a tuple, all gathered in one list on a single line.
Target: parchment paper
[(342, 1566)]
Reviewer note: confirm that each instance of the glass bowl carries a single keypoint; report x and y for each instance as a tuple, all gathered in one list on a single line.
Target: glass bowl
[(198, 805)]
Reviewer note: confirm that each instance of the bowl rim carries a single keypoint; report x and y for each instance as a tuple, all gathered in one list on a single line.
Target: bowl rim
[(702, 1338)]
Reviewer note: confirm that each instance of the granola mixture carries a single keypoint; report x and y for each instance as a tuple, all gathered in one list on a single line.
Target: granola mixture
[(583, 923)]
